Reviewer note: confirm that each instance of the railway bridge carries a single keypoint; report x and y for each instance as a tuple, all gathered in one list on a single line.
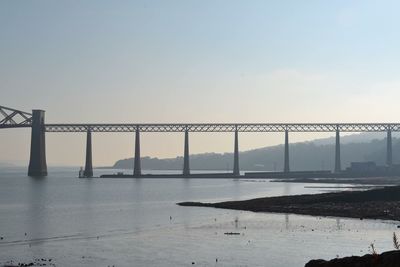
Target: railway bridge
[(12, 118)]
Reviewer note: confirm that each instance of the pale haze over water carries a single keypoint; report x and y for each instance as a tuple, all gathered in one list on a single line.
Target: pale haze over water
[(194, 61), (179, 61)]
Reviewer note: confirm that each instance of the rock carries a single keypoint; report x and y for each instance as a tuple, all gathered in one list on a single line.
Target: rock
[(313, 263), (386, 259)]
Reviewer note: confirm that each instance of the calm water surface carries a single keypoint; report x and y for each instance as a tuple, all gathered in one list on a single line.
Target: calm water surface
[(136, 222)]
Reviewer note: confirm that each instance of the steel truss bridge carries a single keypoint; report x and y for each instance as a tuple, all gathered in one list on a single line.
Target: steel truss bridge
[(226, 127), (12, 118)]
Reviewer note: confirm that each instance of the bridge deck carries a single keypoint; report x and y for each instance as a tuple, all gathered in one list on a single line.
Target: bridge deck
[(226, 127)]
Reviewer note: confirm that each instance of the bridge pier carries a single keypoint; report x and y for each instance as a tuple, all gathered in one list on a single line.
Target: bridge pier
[(137, 171), (286, 167), (338, 167), (37, 161), (88, 172), (236, 170), (389, 155), (186, 168)]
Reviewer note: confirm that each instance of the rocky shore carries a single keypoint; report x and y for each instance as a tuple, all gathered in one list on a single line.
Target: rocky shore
[(383, 203), (35, 262), (386, 259)]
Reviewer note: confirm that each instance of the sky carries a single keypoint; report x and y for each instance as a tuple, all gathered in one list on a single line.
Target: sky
[(193, 61)]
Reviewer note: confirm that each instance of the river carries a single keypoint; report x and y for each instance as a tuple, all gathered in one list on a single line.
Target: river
[(136, 222)]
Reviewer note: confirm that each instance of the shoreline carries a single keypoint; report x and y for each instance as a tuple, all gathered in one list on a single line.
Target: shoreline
[(382, 203), (378, 181), (373, 180)]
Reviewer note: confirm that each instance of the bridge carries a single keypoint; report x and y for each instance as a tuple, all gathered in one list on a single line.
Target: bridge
[(12, 118)]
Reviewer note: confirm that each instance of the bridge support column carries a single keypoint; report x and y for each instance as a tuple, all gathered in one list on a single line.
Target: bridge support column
[(88, 172), (37, 162), (286, 167), (389, 160), (186, 168), (338, 167), (137, 171), (236, 170)]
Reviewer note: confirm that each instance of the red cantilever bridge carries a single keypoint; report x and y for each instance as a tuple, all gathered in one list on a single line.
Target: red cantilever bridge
[(12, 118)]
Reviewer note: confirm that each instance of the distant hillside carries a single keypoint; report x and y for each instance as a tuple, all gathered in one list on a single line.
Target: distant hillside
[(316, 155)]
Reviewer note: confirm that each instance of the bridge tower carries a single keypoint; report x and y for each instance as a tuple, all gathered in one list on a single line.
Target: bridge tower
[(88, 172), (338, 167), (37, 161), (286, 167), (389, 155), (186, 168), (137, 171), (236, 170)]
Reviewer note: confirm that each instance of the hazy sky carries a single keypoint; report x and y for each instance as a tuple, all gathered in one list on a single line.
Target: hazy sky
[(194, 61)]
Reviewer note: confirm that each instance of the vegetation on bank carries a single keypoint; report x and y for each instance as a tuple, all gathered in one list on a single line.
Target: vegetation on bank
[(386, 259)]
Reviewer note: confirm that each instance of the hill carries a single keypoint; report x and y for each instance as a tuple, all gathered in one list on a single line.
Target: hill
[(312, 155)]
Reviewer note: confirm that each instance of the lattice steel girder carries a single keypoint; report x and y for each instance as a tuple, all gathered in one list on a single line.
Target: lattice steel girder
[(11, 118), (227, 127)]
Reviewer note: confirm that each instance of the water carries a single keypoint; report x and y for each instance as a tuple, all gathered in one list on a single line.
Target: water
[(136, 222)]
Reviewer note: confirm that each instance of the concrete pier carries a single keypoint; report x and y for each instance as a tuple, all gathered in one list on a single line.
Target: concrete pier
[(88, 172), (286, 167), (186, 167), (137, 171), (338, 167), (236, 170), (37, 162), (389, 153)]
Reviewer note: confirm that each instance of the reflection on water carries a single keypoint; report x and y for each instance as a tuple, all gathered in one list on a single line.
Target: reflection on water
[(125, 222), (287, 221)]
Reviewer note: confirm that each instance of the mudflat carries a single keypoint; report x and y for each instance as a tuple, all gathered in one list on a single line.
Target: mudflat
[(382, 203)]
